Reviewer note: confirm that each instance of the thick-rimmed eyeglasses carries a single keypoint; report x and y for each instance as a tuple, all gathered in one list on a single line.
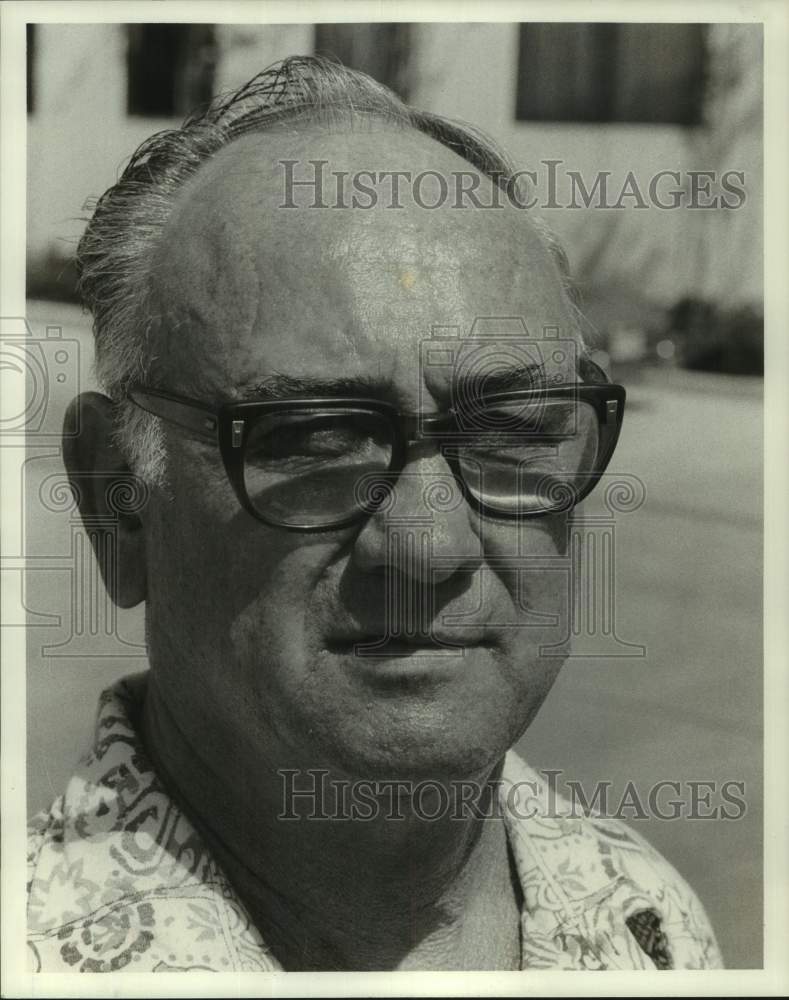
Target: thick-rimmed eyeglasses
[(316, 464)]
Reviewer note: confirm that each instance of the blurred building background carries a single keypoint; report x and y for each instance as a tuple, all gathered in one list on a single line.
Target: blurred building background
[(671, 285), (675, 296)]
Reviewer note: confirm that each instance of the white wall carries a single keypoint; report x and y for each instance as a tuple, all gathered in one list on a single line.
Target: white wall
[(468, 71), (79, 136)]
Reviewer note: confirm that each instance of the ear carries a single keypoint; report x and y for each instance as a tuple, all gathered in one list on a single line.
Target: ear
[(110, 497)]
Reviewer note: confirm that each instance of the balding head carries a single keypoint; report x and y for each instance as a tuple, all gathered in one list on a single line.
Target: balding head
[(238, 274), (124, 237)]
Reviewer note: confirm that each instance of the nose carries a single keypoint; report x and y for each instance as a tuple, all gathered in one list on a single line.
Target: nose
[(424, 530)]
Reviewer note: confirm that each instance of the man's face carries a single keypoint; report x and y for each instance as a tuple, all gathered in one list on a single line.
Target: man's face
[(253, 629)]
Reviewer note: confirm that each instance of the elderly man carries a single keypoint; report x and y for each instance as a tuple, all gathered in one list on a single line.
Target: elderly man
[(349, 507)]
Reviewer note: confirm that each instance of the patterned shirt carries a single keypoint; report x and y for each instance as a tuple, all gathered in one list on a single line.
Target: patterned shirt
[(120, 879)]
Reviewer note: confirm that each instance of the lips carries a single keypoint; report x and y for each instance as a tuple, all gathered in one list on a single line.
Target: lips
[(437, 639)]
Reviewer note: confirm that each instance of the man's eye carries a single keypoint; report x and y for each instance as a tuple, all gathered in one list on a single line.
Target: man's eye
[(328, 440), (525, 423), (316, 438), (526, 437), (512, 452)]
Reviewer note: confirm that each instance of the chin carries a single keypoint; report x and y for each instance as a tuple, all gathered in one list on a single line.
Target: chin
[(419, 742), (417, 764), (411, 717)]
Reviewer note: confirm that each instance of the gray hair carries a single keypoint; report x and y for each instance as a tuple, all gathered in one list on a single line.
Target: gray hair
[(114, 254)]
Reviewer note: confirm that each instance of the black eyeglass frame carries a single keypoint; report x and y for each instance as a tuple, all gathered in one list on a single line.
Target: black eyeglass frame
[(230, 425)]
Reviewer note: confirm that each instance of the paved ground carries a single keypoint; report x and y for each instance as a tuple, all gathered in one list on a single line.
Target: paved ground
[(688, 588)]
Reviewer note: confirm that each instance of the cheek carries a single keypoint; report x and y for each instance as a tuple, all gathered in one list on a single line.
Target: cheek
[(227, 615), (539, 585), (227, 584), (544, 535), (539, 536), (535, 564), (188, 592)]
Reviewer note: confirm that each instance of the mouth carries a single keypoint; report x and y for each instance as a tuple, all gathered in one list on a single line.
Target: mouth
[(417, 663), (384, 644)]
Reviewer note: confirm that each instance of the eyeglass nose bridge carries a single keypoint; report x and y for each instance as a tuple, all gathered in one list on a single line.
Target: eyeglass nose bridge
[(415, 427)]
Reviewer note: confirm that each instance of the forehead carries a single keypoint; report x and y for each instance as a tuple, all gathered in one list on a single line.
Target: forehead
[(245, 286)]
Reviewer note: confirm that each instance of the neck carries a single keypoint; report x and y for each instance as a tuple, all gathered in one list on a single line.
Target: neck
[(386, 889)]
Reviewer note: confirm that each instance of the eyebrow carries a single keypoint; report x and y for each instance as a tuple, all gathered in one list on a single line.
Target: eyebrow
[(278, 386), (500, 380)]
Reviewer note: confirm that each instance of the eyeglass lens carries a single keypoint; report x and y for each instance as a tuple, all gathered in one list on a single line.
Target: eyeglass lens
[(310, 467)]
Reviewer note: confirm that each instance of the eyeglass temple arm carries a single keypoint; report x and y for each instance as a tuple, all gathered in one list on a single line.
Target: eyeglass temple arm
[(201, 420), (591, 372)]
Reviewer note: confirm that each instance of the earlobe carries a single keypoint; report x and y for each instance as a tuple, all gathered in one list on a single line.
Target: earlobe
[(111, 498)]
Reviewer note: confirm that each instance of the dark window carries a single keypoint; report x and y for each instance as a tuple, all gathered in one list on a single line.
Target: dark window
[(380, 50), (31, 66), (170, 68), (650, 73)]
